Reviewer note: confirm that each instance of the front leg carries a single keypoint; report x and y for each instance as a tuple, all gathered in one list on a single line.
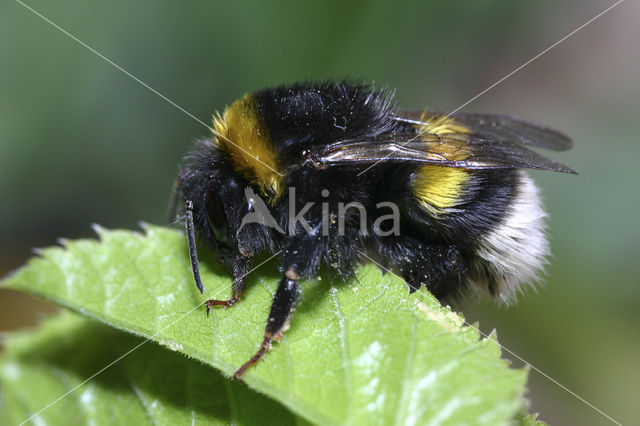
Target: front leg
[(241, 267), (282, 307)]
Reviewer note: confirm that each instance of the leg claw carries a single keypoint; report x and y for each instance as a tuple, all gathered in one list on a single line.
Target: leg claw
[(214, 302)]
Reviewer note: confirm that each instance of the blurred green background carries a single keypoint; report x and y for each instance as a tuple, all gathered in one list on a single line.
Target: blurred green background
[(80, 142)]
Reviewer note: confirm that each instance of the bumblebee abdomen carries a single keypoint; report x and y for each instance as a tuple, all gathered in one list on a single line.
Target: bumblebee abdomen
[(513, 252), (494, 217)]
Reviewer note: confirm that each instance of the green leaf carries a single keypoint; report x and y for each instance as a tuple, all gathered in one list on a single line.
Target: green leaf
[(151, 385), (368, 352), (524, 419)]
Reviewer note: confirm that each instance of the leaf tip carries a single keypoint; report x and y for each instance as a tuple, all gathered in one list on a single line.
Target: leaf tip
[(98, 229), (493, 335), (145, 226)]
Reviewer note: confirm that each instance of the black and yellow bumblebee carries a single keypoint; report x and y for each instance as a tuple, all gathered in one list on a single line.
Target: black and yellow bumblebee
[(303, 170)]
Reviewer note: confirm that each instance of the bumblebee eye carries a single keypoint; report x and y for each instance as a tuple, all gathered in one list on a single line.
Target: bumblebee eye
[(216, 216)]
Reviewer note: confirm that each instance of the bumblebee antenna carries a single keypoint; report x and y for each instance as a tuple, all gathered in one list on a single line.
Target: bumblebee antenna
[(191, 239)]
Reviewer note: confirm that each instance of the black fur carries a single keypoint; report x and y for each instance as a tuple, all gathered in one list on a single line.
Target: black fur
[(301, 116)]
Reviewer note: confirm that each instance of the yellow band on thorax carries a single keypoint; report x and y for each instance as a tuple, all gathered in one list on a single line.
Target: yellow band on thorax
[(239, 133)]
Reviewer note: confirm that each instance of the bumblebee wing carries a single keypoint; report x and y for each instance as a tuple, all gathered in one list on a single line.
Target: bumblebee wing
[(495, 127), (445, 151), (472, 142)]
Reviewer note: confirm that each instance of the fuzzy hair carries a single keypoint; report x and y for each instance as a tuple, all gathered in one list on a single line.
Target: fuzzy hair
[(514, 254)]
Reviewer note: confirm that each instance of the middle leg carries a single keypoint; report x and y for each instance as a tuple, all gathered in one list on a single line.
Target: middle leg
[(283, 305), (301, 258)]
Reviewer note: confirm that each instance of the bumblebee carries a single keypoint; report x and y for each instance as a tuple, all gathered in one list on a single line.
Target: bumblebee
[(304, 170)]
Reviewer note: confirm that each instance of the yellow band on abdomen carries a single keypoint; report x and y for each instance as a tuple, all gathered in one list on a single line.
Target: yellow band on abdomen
[(438, 188)]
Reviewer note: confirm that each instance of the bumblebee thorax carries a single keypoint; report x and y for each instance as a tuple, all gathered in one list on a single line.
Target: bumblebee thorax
[(240, 134)]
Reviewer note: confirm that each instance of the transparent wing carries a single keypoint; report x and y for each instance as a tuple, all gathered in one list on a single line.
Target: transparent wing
[(471, 141), (497, 127)]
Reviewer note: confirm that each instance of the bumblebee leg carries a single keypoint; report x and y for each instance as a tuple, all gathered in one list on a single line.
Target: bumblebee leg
[(281, 309), (241, 266)]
